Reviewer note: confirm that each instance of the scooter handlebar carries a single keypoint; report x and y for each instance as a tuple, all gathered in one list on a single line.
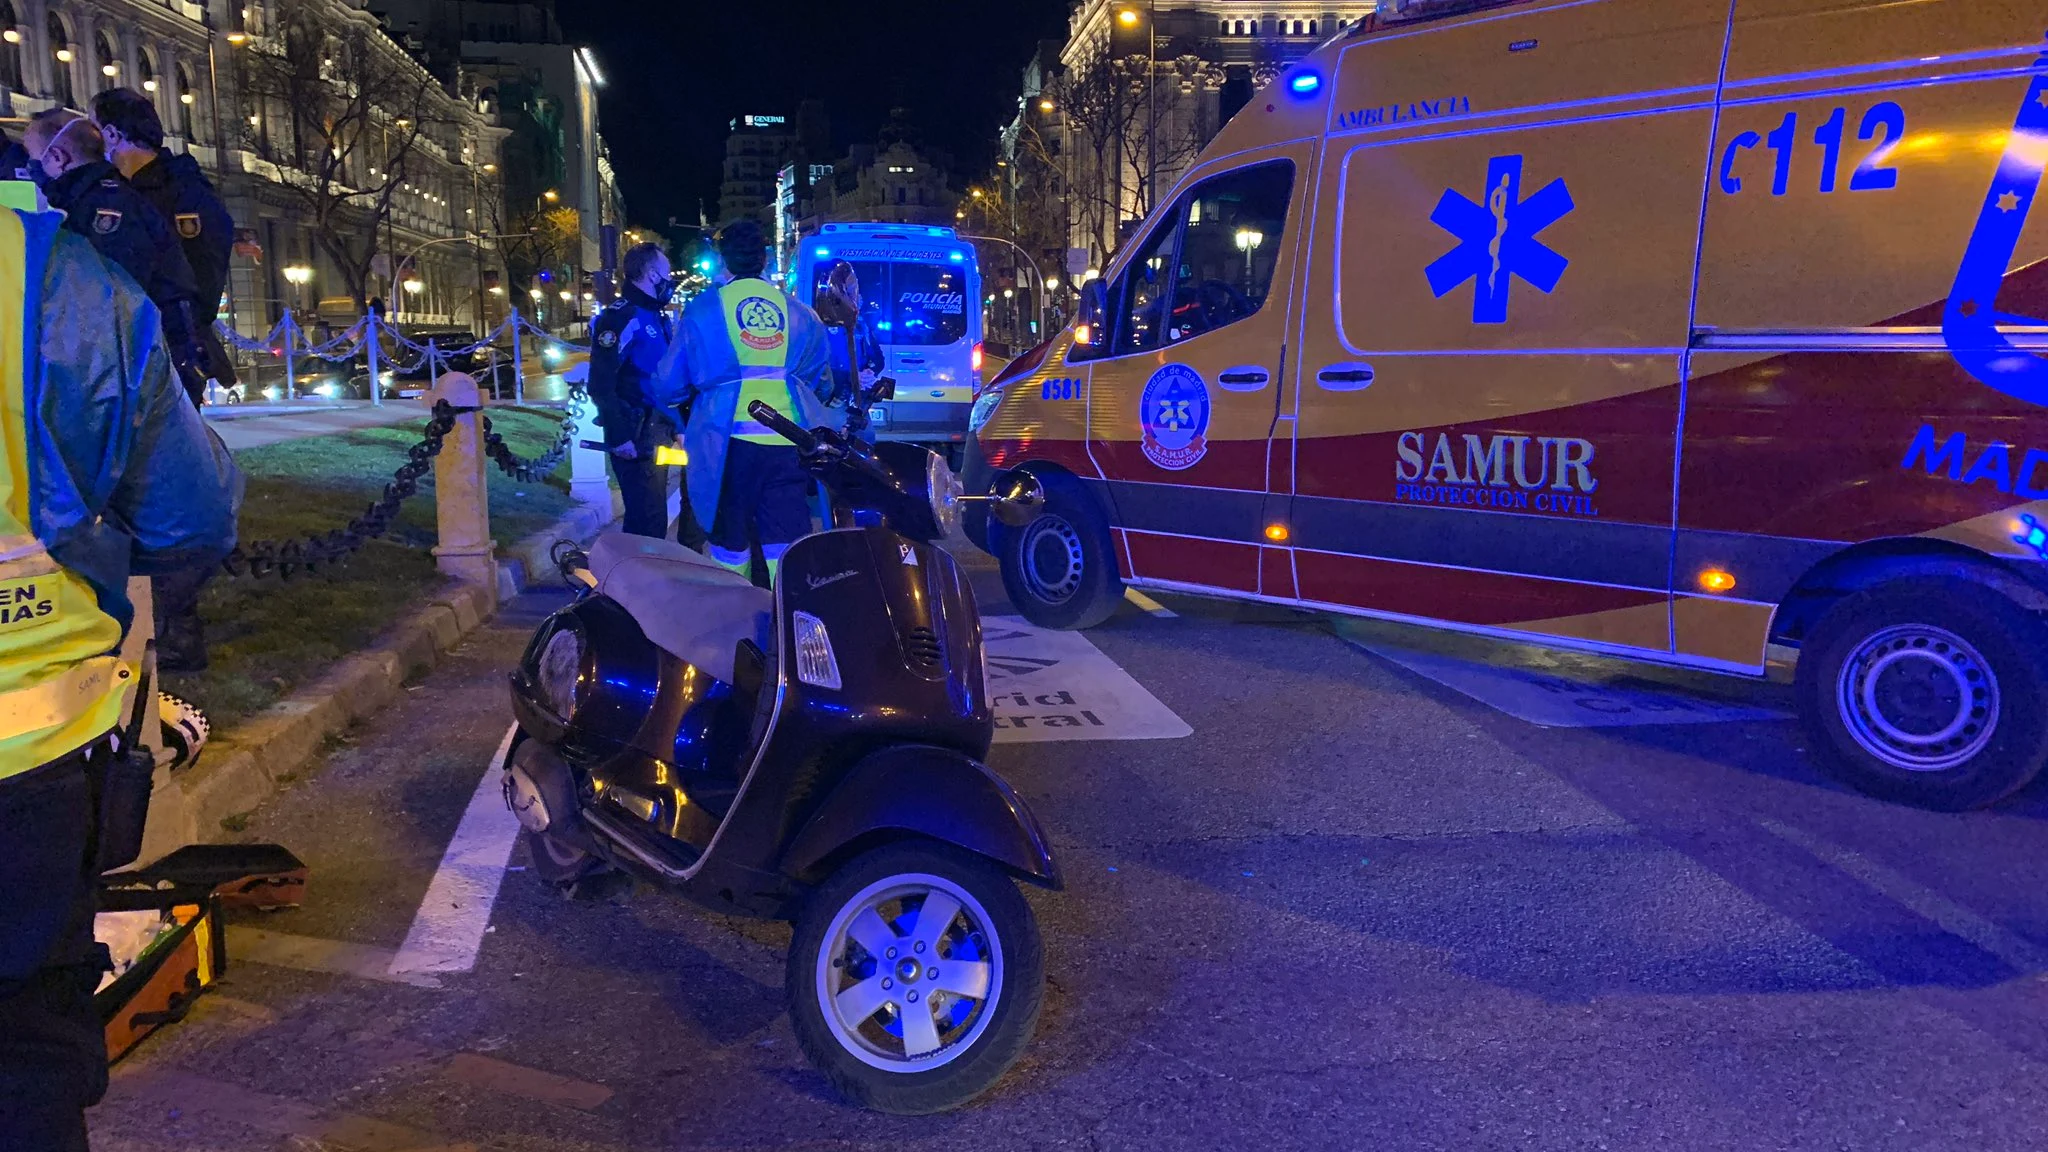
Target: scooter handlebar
[(782, 426)]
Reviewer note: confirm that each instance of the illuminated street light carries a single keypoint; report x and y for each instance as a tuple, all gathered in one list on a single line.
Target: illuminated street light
[(415, 285), (1052, 283), (977, 193), (64, 55), (298, 275), (537, 294), (110, 70), (238, 38), (1046, 104), (12, 36), (551, 195), (1128, 17), (567, 296)]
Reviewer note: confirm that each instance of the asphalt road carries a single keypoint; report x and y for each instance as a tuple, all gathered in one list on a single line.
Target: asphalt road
[(1355, 910)]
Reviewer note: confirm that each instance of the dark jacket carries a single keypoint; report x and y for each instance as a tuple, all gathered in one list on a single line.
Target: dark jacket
[(14, 162), (867, 349), (627, 342), (125, 476), (129, 232), (184, 196)]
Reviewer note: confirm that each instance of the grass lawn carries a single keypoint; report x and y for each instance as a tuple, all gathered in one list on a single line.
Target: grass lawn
[(267, 637)]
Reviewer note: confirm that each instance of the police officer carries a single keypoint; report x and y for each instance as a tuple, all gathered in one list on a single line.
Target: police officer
[(627, 342), (747, 340), (173, 183), (69, 157), (140, 482)]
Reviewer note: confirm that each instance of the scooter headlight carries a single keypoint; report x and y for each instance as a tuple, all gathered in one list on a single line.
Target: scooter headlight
[(815, 663), (560, 674), (944, 489)]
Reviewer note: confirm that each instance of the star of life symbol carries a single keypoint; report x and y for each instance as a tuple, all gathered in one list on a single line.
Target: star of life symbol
[(761, 323), (1497, 240)]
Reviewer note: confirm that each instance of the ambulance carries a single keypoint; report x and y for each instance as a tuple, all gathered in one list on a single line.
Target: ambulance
[(1702, 332)]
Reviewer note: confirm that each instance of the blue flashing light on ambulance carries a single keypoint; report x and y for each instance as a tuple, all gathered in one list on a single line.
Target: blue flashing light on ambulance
[(921, 296)]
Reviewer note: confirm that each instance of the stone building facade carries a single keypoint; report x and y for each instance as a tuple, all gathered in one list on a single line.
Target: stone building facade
[(1124, 104), (182, 53)]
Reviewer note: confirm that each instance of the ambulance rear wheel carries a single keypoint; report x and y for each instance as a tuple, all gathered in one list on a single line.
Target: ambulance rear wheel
[(1926, 692), (1060, 569)]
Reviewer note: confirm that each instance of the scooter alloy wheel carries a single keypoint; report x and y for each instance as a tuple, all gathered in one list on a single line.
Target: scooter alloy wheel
[(915, 977)]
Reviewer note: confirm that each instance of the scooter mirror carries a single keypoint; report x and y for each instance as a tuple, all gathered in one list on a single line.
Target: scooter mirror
[(1016, 497), (884, 389)]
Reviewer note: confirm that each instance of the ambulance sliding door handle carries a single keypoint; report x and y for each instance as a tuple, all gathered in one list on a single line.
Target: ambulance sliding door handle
[(1246, 379), (1346, 377)]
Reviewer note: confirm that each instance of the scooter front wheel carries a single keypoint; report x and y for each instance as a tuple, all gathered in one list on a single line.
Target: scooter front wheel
[(915, 977)]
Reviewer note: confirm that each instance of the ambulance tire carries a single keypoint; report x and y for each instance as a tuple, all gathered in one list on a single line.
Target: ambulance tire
[(1926, 691), (1060, 570)]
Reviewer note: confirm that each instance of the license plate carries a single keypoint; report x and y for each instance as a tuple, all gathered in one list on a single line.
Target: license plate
[(879, 417)]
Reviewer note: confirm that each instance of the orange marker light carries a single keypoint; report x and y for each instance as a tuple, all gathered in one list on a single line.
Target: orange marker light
[(1716, 581), (1084, 334), (1277, 533)]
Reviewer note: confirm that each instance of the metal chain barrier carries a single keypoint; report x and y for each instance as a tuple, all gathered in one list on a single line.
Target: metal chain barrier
[(285, 559), (529, 471)]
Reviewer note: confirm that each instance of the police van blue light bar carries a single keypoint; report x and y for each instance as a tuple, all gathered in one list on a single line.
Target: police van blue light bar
[(821, 252), (1305, 84)]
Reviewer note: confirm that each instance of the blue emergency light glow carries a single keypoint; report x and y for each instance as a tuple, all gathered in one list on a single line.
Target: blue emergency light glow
[(2034, 535), (1305, 84), (957, 257), (821, 253)]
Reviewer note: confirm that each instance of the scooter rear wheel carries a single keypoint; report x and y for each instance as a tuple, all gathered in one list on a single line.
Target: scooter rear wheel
[(915, 977)]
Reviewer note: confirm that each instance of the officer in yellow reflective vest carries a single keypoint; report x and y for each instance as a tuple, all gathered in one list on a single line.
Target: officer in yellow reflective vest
[(744, 341), (105, 470)]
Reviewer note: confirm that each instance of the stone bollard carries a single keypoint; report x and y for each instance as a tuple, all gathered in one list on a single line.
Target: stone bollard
[(462, 504), (590, 480)]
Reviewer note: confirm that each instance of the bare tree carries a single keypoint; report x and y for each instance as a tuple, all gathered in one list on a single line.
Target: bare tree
[(537, 239), (1121, 135), (342, 111)]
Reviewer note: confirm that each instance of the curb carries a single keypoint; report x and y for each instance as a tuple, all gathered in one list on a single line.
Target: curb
[(189, 805)]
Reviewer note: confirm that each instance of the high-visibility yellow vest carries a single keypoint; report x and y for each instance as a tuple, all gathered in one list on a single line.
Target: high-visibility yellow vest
[(757, 320), (61, 685)]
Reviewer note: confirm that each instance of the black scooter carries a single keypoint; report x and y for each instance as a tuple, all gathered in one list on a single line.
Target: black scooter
[(815, 754)]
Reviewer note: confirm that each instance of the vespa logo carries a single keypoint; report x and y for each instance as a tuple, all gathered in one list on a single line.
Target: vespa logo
[(817, 582), (1970, 323)]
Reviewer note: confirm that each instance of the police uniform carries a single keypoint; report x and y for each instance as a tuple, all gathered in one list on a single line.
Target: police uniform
[(627, 342), (175, 186), (128, 231), (168, 498), (746, 341)]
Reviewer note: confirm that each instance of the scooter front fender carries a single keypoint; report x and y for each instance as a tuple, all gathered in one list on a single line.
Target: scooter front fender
[(920, 790)]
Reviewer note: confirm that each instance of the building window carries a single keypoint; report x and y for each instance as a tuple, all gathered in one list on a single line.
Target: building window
[(60, 67), (105, 62), (10, 48), (186, 99), (1311, 27), (145, 63)]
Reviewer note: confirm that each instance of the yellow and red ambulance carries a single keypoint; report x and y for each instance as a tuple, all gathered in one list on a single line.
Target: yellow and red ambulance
[(1695, 331)]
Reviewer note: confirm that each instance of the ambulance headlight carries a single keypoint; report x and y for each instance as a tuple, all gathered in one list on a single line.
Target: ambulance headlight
[(945, 490), (559, 672), (983, 411)]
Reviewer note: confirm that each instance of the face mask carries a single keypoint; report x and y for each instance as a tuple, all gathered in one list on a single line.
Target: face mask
[(664, 291)]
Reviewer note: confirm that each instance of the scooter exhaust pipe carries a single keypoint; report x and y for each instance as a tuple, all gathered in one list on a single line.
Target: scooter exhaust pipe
[(540, 790)]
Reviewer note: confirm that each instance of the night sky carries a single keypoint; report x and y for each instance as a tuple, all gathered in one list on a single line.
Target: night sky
[(677, 73)]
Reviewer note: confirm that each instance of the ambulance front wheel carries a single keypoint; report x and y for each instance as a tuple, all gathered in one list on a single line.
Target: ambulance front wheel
[(1060, 570), (1927, 692)]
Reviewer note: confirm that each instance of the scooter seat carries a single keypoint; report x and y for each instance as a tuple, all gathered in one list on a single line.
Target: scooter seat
[(689, 605)]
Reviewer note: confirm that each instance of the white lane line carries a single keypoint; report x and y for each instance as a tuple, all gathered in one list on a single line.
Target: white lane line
[(1953, 918), (450, 925), (308, 954), (1150, 605)]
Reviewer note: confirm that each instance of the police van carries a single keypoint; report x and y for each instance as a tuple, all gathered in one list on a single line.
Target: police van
[(1698, 332), (921, 293)]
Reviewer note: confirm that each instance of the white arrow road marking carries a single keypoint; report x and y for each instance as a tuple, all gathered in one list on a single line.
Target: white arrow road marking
[(450, 925)]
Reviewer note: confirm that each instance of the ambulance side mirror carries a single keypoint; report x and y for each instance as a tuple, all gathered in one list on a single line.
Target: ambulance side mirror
[(1094, 305), (1016, 497)]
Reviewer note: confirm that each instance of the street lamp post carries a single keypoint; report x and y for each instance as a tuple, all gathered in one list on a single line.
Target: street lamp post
[(1129, 18), (1037, 277)]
